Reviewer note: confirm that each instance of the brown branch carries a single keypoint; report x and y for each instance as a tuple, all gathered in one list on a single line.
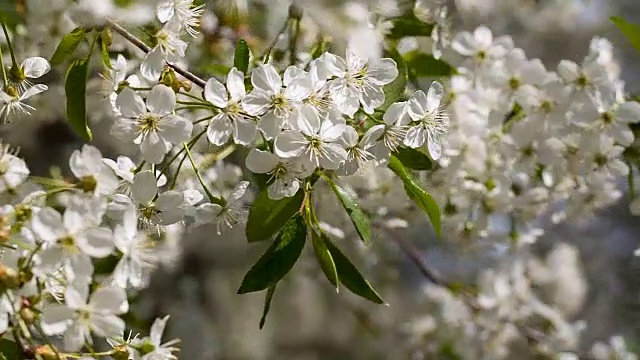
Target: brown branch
[(144, 47)]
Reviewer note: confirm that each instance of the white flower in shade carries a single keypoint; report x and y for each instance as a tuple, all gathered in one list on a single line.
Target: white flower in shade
[(481, 45), (93, 175), (13, 102), (152, 348), (231, 119), (228, 215), (82, 315), (70, 240), (607, 158), (357, 151), (170, 49), (382, 139), (31, 68), (181, 11), (156, 209), (125, 169), (274, 100), (610, 115), (137, 260), (429, 120), (285, 173), (153, 126), (359, 82), (314, 141), (13, 170)]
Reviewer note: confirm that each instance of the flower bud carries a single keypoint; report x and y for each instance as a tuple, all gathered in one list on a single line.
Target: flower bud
[(16, 74), (28, 315), (106, 36), (120, 352), (295, 11), (9, 277)]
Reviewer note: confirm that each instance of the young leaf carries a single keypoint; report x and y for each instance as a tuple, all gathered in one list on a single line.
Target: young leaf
[(325, 259), (106, 59), (267, 216), (267, 304), (67, 46), (631, 31), (349, 276), (358, 217), (416, 193), (278, 259), (413, 158), (409, 25), (241, 56), (425, 65), (395, 89), (10, 350), (74, 88)]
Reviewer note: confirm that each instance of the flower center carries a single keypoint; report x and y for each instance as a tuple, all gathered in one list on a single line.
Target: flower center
[(514, 83), (87, 183), (600, 160), (148, 122), (606, 118)]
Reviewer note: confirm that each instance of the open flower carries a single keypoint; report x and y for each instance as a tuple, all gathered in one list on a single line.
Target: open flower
[(13, 101), (182, 11), (94, 176), (285, 173), (231, 119), (152, 125), (314, 141), (360, 82), (429, 121), (170, 49), (227, 215)]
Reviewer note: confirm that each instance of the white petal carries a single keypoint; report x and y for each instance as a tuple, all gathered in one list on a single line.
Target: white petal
[(416, 136), (161, 100), (235, 84), (270, 124), (266, 78), (396, 114), (165, 11), (175, 129), (219, 129), (97, 242), (298, 89), (256, 102), (434, 96), (76, 296), (109, 326), (111, 300), (47, 224), (153, 64), (169, 200), (130, 104), (216, 93), (333, 156), (244, 131), (34, 67), (371, 98), (290, 144), (261, 162), (34, 90), (382, 71), (308, 121), (435, 150), (144, 187), (331, 132), (628, 112), (418, 105), (157, 329), (464, 44), (56, 318), (153, 148)]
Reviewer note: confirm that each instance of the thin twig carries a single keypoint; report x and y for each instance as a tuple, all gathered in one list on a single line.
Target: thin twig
[(144, 47)]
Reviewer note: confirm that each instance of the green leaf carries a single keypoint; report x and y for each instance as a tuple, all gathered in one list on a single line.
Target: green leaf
[(106, 59), (349, 275), (394, 91), (10, 350), (413, 158), (325, 259), (11, 12), (241, 56), (67, 46), (408, 25), (74, 88), (631, 31), (278, 259), (267, 304), (267, 216), (358, 217), (425, 65), (416, 193)]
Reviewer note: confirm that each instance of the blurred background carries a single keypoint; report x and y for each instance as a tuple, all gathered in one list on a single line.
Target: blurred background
[(308, 320)]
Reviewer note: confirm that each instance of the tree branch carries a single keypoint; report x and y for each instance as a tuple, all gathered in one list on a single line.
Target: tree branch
[(144, 47)]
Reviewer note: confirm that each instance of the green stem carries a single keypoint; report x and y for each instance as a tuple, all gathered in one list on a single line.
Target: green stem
[(211, 197), (5, 81), (6, 35), (190, 143), (293, 41), (189, 95), (630, 179), (267, 52)]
